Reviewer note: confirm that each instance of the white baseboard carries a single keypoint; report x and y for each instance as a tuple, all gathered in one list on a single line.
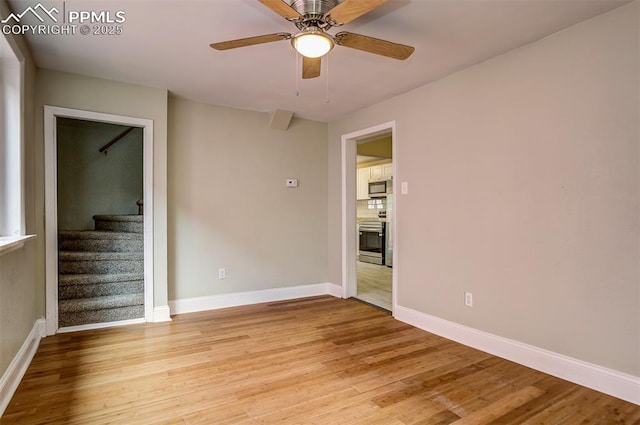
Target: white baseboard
[(42, 327), (162, 314), (13, 375), (334, 290), (617, 384), (213, 302)]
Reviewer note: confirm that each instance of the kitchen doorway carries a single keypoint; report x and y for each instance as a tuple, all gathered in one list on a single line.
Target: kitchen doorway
[(372, 209), (374, 219)]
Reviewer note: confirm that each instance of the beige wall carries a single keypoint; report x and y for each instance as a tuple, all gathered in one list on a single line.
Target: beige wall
[(97, 95), (18, 286), (229, 207), (523, 178), (90, 182), (17, 301)]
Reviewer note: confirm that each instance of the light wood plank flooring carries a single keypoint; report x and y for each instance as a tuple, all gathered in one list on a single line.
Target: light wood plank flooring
[(317, 360), (374, 284)]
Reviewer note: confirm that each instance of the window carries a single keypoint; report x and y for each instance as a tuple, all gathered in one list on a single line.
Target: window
[(12, 222)]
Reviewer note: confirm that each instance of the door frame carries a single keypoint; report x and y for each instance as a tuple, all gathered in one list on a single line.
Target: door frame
[(51, 113), (348, 225)]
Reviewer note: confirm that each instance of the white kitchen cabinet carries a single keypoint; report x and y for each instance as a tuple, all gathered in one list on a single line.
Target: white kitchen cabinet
[(375, 173), (387, 170), (363, 183)]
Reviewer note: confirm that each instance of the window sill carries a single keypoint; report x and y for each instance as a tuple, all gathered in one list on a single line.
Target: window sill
[(11, 243)]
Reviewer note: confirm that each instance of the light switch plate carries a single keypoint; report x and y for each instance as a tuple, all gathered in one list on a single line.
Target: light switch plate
[(468, 299)]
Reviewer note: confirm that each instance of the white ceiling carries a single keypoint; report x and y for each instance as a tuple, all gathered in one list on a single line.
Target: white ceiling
[(165, 43)]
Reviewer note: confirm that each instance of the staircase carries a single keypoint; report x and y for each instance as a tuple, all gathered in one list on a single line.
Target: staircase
[(101, 272)]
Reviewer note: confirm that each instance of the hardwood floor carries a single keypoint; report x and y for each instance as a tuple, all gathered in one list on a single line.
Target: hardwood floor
[(318, 360), (374, 284)]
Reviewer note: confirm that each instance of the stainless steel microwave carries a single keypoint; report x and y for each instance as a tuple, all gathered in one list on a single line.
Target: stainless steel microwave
[(380, 189)]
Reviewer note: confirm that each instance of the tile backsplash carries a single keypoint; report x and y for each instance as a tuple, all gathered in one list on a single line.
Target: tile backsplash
[(369, 208)]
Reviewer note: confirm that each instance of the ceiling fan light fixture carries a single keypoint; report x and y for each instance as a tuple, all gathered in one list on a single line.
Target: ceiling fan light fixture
[(312, 43)]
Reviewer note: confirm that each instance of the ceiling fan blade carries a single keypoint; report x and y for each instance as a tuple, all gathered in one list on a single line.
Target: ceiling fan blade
[(349, 10), (250, 41), (310, 67), (374, 45), (282, 9)]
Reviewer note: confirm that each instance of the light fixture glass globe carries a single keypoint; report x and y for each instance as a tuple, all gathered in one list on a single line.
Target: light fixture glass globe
[(312, 44)]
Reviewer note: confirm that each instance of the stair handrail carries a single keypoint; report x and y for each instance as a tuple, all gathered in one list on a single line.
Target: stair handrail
[(115, 139)]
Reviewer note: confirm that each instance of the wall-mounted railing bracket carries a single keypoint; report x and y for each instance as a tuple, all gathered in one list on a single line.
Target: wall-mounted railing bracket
[(115, 139)]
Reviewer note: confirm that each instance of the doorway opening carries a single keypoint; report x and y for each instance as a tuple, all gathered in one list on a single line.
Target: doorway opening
[(100, 222), (98, 202), (368, 216), (374, 219)]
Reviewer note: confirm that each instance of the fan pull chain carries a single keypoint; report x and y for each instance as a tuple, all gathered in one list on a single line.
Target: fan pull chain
[(295, 73), (326, 73)]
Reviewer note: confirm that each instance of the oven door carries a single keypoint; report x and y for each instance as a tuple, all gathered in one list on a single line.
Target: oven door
[(371, 242)]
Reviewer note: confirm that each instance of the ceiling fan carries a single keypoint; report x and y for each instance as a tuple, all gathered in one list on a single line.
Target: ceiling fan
[(313, 18)]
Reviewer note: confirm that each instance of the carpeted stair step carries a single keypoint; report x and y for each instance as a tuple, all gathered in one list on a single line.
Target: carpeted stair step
[(100, 241), (100, 309), (73, 286), (100, 316), (89, 279), (120, 223), (101, 272), (100, 303), (70, 262)]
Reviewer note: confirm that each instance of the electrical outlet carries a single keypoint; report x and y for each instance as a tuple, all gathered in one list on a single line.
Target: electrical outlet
[(222, 273), (468, 299)]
